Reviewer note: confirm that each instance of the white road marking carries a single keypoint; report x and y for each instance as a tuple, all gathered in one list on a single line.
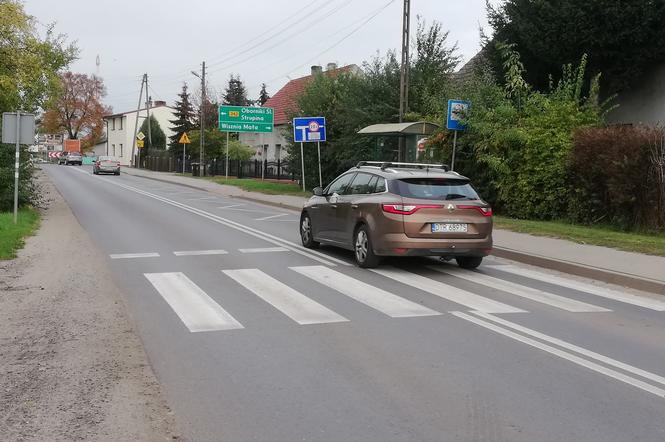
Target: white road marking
[(193, 306), (445, 291), (200, 252), (536, 295), (286, 220), (231, 206), (205, 198), (374, 297), (297, 248), (133, 255), (293, 304), (272, 216), (565, 355), (264, 250), (640, 301), (575, 348)]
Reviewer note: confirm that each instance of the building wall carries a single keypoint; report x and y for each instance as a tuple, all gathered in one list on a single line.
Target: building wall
[(121, 130), (644, 103), (274, 144)]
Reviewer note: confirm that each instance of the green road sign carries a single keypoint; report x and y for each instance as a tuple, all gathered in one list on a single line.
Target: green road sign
[(245, 119)]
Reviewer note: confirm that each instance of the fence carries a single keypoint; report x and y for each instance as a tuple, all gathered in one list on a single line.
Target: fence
[(276, 170)]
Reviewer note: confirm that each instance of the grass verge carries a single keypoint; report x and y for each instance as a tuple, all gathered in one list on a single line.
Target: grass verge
[(12, 235), (652, 244), (267, 187)]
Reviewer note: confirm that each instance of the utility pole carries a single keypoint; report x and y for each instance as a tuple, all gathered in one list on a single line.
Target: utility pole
[(404, 74), (203, 101), (148, 102), (136, 123)]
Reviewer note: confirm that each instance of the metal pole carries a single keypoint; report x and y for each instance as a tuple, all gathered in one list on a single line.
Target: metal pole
[(452, 163), (318, 146), (264, 153), (203, 102), (302, 162), (227, 156), (16, 165), (183, 158)]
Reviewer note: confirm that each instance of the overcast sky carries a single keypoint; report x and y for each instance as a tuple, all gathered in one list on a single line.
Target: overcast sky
[(261, 40)]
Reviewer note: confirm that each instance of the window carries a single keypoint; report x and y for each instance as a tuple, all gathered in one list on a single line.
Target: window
[(339, 185), (113, 146), (121, 145), (112, 123), (380, 185), (121, 118), (436, 189), (360, 184), (372, 183), (278, 151)]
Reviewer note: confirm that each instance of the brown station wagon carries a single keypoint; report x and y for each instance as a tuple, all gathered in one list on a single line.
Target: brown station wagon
[(400, 209)]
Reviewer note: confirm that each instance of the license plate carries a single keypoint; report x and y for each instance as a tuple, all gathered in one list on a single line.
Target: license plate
[(449, 228)]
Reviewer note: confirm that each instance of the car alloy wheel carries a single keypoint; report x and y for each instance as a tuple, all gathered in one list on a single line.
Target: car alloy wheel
[(362, 244), (306, 234)]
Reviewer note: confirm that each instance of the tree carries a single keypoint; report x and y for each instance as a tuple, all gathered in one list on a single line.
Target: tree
[(216, 146), (77, 109), (235, 93), (184, 118), (29, 64), (263, 95), (622, 39), (157, 138)]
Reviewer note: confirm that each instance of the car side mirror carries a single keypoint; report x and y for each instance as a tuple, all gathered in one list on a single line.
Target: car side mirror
[(318, 191)]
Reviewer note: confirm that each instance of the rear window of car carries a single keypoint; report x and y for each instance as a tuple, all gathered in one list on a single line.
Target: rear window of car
[(436, 189), (105, 158)]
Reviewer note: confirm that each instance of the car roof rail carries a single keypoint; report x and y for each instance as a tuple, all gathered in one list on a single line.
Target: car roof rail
[(383, 165)]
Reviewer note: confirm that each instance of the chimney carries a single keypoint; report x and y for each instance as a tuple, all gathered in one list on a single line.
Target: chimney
[(331, 66), (316, 69), (159, 103)]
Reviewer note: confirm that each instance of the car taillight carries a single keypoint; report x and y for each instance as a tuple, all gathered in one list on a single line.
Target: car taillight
[(485, 211), (408, 209)]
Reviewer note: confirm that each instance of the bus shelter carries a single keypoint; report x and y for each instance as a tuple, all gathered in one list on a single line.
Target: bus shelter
[(410, 132)]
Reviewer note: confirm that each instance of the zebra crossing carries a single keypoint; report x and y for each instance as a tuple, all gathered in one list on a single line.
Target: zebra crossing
[(199, 312)]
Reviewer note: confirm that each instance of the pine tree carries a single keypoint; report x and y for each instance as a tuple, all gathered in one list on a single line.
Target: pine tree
[(263, 95), (157, 135), (184, 118), (235, 93)]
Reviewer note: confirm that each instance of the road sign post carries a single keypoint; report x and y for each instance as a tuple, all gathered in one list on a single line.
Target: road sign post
[(184, 139), (24, 133), (309, 130), (457, 110)]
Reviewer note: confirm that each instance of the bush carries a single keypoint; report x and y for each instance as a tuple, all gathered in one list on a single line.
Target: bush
[(617, 175), (29, 194)]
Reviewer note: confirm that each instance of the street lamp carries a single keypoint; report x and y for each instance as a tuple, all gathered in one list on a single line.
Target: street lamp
[(203, 99)]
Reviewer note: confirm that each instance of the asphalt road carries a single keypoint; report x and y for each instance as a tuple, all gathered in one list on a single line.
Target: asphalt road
[(254, 338)]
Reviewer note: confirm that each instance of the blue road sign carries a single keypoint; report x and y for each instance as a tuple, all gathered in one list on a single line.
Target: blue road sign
[(457, 110), (309, 129)]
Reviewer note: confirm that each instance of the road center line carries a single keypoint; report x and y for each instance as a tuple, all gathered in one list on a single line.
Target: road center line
[(564, 355), (200, 252), (133, 255), (271, 217), (264, 250)]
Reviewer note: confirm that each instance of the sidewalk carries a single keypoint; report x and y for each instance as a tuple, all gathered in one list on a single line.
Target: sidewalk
[(635, 270)]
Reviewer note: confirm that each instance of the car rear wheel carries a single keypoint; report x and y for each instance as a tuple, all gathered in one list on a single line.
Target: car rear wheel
[(306, 232), (362, 248), (469, 262)]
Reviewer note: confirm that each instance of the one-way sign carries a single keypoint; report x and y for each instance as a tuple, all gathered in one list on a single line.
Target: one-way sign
[(309, 129)]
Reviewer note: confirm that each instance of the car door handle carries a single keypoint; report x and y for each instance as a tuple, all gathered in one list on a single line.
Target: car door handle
[(354, 206), (333, 206)]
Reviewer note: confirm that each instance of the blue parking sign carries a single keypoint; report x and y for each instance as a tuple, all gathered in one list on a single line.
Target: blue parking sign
[(309, 129), (457, 110)]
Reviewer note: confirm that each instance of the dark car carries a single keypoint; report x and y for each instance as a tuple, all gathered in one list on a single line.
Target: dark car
[(68, 158), (106, 164), (400, 209)]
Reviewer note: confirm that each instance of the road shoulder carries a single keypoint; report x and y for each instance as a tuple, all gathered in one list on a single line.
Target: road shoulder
[(71, 365)]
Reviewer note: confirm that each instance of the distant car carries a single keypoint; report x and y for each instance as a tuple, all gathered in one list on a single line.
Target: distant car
[(400, 209), (68, 158), (106, 164)]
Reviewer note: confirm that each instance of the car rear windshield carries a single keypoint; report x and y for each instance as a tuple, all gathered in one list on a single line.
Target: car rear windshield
[(436, 189)]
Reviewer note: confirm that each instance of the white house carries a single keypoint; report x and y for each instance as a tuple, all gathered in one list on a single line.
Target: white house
[(120, 130)]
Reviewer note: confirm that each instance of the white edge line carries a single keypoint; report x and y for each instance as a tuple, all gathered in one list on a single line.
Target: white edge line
[(583, 351), (133, 255), (272, 216), (564, 355)]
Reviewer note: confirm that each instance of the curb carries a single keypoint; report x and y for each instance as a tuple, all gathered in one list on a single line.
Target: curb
[(573, 268)]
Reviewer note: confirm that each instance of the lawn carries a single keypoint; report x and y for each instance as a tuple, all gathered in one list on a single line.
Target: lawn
[(12, 235), (267, 186), (652, 244)]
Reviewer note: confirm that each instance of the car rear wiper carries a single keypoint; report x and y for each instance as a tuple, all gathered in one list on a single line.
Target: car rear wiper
[(456, 196)]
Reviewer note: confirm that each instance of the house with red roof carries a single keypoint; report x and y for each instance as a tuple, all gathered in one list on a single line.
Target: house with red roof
[(272, 146)]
